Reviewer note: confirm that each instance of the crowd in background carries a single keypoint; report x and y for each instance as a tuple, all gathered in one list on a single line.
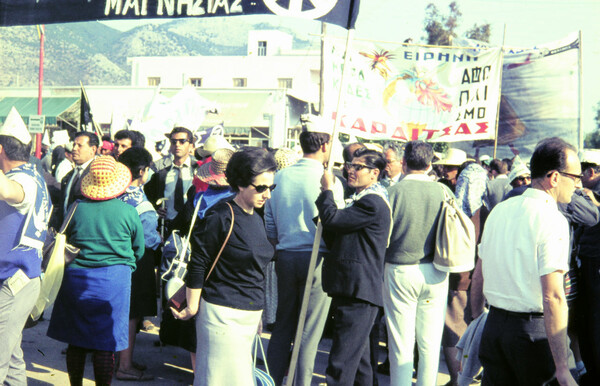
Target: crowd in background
[(251, 216)]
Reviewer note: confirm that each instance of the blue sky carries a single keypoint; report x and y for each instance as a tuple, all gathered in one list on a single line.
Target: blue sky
[(528, 22)]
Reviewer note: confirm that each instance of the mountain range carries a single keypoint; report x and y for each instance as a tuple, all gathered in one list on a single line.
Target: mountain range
[(96, 54)]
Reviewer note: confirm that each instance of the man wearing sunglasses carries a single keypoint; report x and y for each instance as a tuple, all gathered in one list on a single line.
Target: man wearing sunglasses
[(525, 336), (173, 177)]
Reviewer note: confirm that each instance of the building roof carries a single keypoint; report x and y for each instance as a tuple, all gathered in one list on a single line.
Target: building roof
[(52, 107)]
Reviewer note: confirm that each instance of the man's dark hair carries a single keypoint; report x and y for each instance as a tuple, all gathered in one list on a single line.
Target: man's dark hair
[(14, 149), (137, 159), (137, 139), (498, 166), (346, 153), (396, 147), (373, 159), (549, 154), (418, 155), (508, 162), (92, 138), (180, 129), (247, 163), (311, 142)]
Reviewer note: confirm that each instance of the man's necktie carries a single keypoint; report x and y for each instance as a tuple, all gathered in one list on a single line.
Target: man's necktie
[(178, 203), (73, 191)]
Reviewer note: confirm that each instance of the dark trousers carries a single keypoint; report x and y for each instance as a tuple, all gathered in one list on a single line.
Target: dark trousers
[(349, 359), (588, 303), (514, 350)]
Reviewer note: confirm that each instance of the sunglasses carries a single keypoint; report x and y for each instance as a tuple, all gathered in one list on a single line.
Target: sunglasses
[(262, 188), (357, 167), (180, 141)]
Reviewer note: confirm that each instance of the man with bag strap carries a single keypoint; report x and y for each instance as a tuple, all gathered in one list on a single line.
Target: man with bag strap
[(524, 340), (24, 213), (414, 290)]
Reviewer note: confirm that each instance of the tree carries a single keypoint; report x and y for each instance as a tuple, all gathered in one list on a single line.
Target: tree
[(441, 29), (592, 140), (480, 32)]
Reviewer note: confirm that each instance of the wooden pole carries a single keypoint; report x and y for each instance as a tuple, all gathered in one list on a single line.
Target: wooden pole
[(580, 85), (38, 137), (499, 94), (321, 83), (317, 242)]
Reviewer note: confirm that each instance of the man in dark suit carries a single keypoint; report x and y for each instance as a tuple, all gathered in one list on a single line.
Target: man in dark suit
[(173, 177), (85, 146)]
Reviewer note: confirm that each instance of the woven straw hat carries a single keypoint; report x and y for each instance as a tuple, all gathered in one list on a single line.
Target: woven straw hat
[(105, 179), (285, 157), (213, 172)]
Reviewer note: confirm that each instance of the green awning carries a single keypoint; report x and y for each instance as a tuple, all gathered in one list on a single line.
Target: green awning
[(51, 107)]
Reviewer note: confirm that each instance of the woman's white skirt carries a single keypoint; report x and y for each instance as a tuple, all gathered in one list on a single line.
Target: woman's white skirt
[(224, 351)]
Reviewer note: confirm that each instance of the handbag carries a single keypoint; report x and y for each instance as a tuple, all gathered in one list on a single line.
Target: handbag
[(455, 238), (57, 254), (178, 299), (262, 378)]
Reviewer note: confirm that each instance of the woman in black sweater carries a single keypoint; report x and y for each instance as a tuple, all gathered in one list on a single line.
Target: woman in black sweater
[(353, 271), (231, 301)]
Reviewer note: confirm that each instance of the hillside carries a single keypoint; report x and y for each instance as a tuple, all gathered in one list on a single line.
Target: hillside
[(97, 54)]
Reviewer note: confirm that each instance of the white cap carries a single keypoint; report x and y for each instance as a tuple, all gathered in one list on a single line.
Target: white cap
[(518, 169), (453, 157), (316, 124), (590, 156), (15, 127)]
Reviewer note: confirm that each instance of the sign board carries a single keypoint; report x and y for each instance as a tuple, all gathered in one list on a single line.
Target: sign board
[(36, 124)]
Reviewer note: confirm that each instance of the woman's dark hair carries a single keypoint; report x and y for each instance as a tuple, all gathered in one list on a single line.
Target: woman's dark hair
[(58, 155), (247, 163), (137, 159), (311, 142), (418, 155), (549, 154), (14, 149), (373, 159)]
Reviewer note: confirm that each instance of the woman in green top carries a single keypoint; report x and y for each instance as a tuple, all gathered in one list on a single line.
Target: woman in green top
[(92, 308)]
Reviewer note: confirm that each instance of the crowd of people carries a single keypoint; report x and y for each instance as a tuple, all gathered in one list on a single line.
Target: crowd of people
[(527, 314)]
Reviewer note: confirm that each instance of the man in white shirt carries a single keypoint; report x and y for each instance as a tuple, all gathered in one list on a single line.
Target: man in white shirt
[(66, 165), (525, 336)]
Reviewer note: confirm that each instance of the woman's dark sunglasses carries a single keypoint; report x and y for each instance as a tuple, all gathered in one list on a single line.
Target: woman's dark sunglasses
[(262, 188)]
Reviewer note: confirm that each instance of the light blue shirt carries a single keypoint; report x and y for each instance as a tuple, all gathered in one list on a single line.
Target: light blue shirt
[(290, 212)]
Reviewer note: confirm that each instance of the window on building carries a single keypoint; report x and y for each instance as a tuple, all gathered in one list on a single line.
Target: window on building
[(240, 82), (153, 80), (262, 48), (285, 82), (196, 82)]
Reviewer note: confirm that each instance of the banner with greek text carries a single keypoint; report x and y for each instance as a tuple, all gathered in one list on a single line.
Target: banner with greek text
[(540, 97), (27, 12), (405, 92)]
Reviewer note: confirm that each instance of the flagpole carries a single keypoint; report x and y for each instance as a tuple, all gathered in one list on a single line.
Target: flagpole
[(499, 93), (38, 137), (580, 83), (317, 241)]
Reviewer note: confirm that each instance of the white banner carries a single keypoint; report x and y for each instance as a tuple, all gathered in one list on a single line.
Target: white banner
[(408, 92)]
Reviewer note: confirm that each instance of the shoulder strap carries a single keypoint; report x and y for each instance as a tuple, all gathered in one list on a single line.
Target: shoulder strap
[(224, 242), (67, 220)]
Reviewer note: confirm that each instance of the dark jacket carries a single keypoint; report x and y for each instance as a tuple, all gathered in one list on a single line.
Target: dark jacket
[(56, 219), (354, 267), (155, 187)]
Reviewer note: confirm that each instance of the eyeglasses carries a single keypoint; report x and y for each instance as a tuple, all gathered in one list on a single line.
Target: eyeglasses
[(575, 177), (262, 188), (180, 141), (390, 161), (524, 178), (357, 167)]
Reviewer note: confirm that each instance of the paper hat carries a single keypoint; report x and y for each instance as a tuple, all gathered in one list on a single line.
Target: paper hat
[(453, 157), (213, 172), (590, 156), (518, 169), (15, 127), (316, 124), (105, 179)]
